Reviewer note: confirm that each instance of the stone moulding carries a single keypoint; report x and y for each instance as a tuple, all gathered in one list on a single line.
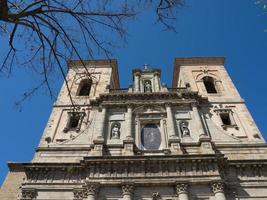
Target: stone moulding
[(181, 96)]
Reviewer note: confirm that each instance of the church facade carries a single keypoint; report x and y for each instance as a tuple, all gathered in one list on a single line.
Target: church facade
[(195, 140)]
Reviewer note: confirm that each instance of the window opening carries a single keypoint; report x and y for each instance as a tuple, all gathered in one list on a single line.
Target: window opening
[(74, 122), (209, 85), (225, 119), (85, 87)]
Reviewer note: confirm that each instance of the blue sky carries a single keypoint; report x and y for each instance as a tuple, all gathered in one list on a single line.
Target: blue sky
[(233, 29)]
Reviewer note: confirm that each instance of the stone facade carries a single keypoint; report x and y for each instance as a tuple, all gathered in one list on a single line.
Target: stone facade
[(194, 141)]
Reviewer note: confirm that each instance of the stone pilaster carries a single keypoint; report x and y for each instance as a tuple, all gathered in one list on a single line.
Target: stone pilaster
[(127, 191), (204, 138), (198, 121), (170, 122), (157, 82), (173, 139), (129, 129), (182, 191), (218, 190), (128, 143), (137, 82), (99, 140), (101, 122), (28, 194)]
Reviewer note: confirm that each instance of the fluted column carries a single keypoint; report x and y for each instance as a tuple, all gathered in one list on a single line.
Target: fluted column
[(182, 191), (218, 190), (170, 122), (127, 191)]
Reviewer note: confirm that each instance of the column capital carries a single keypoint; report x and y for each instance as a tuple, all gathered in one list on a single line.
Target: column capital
[(137, 73), (195, 104), (130, 106), (91, 188), (79, 193), (127, 189), (168, 104), (181, 188), (217, 187)]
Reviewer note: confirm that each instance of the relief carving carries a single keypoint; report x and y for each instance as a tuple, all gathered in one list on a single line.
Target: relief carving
[(217, 187), (181, 188), (28, 194), (127, 189)]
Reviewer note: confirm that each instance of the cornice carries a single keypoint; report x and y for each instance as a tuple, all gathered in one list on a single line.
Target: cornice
[(185, 97)]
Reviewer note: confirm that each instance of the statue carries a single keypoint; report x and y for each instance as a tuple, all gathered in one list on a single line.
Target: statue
[(184, 128), (148, 86), (115, 130)]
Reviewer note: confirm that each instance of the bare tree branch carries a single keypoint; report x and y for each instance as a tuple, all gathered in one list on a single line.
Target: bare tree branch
[(42, 34)]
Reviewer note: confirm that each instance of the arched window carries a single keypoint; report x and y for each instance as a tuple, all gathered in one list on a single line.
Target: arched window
[(209, 84), (84, 88)]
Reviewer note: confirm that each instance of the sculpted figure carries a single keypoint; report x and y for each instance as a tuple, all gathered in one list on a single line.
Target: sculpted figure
[(148, 86), (184, 128), (115, 130)]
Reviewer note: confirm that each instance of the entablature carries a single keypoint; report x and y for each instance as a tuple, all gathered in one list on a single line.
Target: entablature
[(175, 97)]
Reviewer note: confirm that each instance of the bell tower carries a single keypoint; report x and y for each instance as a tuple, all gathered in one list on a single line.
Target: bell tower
[(228, 114), (73, 114)]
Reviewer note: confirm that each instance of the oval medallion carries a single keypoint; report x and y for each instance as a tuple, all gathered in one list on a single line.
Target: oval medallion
[(151, 137)]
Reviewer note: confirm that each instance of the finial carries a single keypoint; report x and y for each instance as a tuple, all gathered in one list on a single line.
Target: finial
[(145, 66)]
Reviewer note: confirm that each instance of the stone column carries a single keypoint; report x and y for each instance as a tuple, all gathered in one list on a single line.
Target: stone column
[(127, 191), (92, 190), (218, 190), (128, 142), (137, 82), (182, 191), (170, 122), (157, 83)]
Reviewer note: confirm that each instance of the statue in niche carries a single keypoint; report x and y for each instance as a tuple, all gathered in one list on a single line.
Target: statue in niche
[(148, 86), (115, 130), (184, 128)]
